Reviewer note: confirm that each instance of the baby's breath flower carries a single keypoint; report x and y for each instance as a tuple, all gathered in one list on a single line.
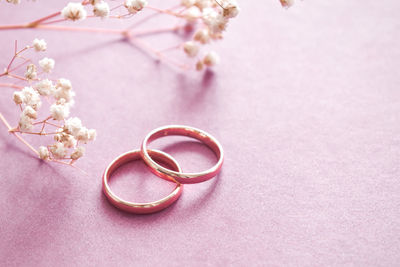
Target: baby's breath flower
[(188, 3), (31, 72), (15, 2), (192, 14), (25, 123), (59, 111), (101, 9), (74, 11), (211, 59), (67, 139), (18, 97), (64, 90), (47, 64), (134, 6), (199, 65), (43, 152), (39, 44), (44, 87), (191, 49), (79, 151), (31, 98), (92, 134), (231, 9), (202, 36), (287, 3), (58, 150), (215, 21), (73, 126), (93, 2), (29, 112)]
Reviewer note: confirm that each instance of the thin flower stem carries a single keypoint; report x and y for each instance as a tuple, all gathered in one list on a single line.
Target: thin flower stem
[(39, 21), (155, 31), (81, 29), (17, 77), (168, 12), (11, 85)]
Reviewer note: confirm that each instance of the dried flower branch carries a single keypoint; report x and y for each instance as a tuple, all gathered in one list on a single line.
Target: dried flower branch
[(69, 135), (201, 21)]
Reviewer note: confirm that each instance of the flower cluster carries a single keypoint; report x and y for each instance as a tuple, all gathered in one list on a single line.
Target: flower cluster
[(69, 133), (76, 11), (213, 16)]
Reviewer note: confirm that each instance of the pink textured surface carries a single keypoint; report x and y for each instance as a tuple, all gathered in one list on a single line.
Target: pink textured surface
[(306, 103)]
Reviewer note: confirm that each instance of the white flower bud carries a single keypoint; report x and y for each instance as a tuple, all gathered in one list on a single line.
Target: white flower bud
[(101, 9), (191, 49), (211, 59), (58, 150), (72, 126), (202, 36), (45, 87), (31, 72), (133, 6), (74, 11), (39, 44), (18, 97), (79, 151), (29, 112), (43, 152), (25, 123), (47, 64), (59, 111)]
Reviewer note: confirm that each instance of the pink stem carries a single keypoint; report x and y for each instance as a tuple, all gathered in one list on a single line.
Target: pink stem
[(10, 85)]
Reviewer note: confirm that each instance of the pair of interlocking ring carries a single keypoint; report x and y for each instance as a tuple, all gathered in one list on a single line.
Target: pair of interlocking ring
[(174, 174)]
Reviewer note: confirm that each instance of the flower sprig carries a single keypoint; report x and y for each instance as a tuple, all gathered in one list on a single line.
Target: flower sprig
[(69, 135), (201, 22)]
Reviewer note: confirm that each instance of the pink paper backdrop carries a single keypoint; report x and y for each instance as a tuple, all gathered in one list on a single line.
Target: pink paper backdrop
[(306, 103)]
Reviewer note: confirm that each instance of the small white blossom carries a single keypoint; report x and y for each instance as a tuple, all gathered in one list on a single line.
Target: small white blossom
[(31, 72), (231, 9), (67, 139), (188, 3), (202, 36), (215, 21), (43, 153), (211, 59), (191, 49), (101, 9), (58, 150), (192, 14), (18, 97), (133, 6), (83, 135), (39, 44), (74, 11), (47, 64), (199, 65), (93, 2), (45, 87), (25, 123), (15, 2), (92, 134), (73, 126), (287, 3), (64, 84), (29, 112), (59, 111), (79, 151), (63, 90), (31, 98)]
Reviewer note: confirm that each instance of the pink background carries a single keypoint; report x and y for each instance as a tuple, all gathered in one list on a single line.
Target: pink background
[(306, 104)]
